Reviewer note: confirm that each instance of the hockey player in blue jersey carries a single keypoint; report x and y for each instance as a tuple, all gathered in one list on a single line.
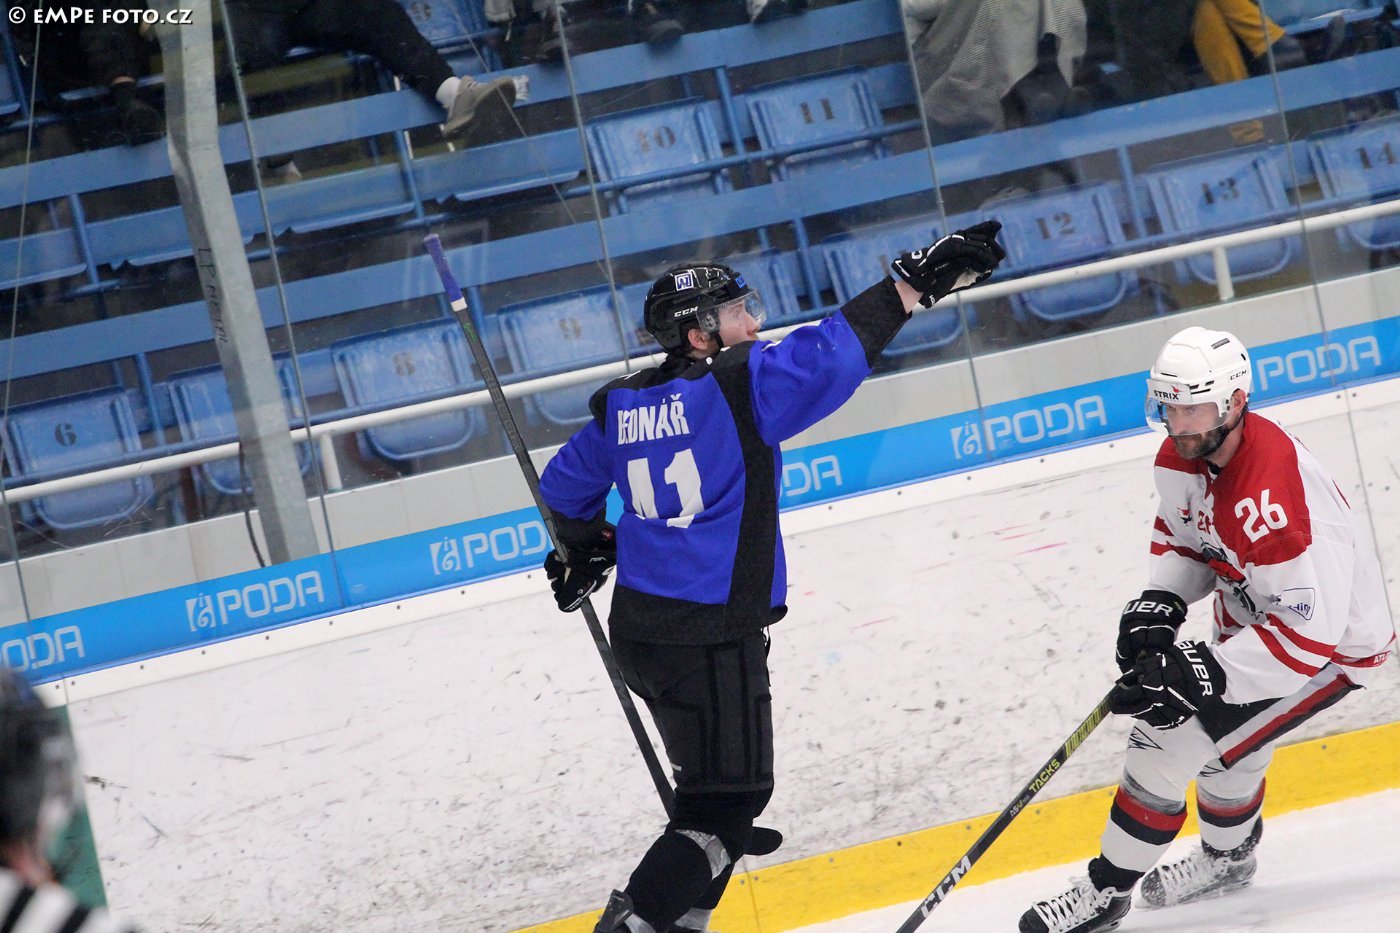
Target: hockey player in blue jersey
[(692, 446)]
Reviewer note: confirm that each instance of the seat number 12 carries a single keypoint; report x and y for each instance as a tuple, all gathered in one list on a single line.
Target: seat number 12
[(681, 473)]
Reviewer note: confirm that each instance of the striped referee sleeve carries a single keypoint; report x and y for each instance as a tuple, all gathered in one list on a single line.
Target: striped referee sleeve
[(49, 909)]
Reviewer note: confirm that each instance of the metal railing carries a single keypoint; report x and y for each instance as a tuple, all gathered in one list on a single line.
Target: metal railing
[(325, 433)]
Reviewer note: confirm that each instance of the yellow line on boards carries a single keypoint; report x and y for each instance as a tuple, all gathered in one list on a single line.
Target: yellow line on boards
[(905, 868)]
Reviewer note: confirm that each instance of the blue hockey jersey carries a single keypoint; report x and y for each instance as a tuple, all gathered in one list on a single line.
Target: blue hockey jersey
[(693, 448)]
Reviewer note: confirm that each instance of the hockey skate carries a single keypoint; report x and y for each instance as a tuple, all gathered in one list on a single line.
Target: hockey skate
[(1082, 909), (1204, 873), (616, 915)]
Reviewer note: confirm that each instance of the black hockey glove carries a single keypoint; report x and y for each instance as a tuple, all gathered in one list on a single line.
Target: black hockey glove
[(1148, 624), (1168, 687), (959, 260), (589, 564)]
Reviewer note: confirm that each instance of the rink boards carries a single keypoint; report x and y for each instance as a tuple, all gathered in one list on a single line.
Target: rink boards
[(460, 754)]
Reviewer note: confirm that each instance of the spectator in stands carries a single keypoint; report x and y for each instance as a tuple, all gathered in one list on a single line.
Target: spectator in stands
[(976, 52), (1220, 27), (544, 29), (71, 56), (1145, 39), (264, 31), (38, 792)]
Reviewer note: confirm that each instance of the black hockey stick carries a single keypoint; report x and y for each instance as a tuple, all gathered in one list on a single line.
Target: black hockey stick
[(532, 479), (989, 836)]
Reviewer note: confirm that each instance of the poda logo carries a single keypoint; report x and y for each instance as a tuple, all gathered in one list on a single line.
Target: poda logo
[(42, 649), (255, 600), (1301, 367), (453, 555), (1058, 419), (800, 478)]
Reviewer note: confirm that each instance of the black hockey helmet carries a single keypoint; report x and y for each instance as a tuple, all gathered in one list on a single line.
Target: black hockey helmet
[(38, 768), (690, 295)]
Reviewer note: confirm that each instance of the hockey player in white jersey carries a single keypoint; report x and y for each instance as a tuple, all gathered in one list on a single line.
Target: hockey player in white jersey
[(1248, 514)]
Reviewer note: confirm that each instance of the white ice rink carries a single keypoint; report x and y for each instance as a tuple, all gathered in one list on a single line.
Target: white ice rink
[(473, 762), (1326, 869)]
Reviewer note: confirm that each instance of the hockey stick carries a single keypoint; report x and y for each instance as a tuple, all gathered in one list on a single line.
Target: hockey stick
[(532, 479), (990, 834)]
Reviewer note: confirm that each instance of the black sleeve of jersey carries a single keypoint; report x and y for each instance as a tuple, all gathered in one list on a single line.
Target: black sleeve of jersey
[(598, 401), (876, 315), (580, 532)]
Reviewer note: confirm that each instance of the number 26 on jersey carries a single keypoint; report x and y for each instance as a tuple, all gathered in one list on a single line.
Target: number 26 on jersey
[(1262, 518)]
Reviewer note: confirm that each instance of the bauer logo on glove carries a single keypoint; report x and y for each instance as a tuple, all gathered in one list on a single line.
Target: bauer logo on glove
[(959, 260), (587, 569)]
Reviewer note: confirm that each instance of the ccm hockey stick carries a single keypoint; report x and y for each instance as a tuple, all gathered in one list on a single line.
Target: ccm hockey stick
[(764, 840), (989, 836), (532, 479)]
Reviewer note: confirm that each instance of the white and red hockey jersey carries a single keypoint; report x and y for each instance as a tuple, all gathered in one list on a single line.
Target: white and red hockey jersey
[(1297, 583)]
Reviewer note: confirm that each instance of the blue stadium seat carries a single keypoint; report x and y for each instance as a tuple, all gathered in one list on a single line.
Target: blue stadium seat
[(656, 139), (804, 111), (204, 412), (404, 365), (1220, 193), (1055, 229), (40, 257), (89, 430), (859, 259), (566, 332), (1362, 163), (1308, 15)]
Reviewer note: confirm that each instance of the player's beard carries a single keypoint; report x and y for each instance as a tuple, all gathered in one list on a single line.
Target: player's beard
[(1197, 446)]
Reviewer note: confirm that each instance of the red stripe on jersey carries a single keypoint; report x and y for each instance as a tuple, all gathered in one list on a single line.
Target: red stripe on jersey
[(1338, 685), (1161, 526), (1375, 660), (1279, 652), (1302, 641), (1152, 819), (1222, 615), (1225, 813), (1158, 549)]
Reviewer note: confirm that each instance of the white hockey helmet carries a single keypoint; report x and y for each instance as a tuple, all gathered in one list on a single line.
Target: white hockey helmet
[(1197, 366)]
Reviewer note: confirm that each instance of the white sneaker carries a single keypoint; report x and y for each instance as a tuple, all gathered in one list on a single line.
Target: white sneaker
[(1082, 909), (477, 104)]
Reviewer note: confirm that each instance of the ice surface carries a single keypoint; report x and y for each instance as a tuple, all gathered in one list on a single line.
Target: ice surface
[(1330, 868)]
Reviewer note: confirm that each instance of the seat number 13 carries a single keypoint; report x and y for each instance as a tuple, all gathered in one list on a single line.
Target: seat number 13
[(682, 473)]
